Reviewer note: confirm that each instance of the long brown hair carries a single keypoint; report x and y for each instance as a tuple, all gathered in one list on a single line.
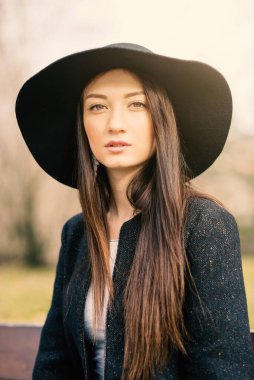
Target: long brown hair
[(155, 290)]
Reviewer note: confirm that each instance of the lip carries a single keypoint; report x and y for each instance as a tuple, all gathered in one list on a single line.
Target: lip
[(112, 142), (117, 148)]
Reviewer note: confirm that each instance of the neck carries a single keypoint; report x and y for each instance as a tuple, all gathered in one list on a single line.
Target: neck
[(120, 207)]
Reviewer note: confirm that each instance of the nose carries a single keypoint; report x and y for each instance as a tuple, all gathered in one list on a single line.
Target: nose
[(116, 120)]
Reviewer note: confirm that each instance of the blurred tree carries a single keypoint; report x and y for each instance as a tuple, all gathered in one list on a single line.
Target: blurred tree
[(25, 229), (20, 239), (18, 197)]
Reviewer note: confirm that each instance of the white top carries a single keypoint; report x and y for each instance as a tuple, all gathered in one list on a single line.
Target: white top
[(99, 347)]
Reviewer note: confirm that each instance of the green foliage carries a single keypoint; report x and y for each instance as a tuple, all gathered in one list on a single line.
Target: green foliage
[(26, 293)]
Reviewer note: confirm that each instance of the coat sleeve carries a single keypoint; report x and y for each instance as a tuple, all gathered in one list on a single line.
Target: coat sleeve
[(219, 346), (53, 361)]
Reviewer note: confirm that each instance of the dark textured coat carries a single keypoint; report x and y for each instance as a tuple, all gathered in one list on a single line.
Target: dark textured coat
[(221, 345)]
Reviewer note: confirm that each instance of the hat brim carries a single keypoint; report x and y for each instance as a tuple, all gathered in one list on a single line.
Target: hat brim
[(46, 106)]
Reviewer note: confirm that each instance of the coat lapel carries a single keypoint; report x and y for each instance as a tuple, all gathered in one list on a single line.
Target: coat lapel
[(128, 237), (75, 298)]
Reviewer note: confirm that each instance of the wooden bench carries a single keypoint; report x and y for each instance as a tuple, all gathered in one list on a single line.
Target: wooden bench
[(18, 348)]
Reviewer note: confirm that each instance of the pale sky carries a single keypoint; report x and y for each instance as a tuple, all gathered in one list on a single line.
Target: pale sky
[(220, 33)]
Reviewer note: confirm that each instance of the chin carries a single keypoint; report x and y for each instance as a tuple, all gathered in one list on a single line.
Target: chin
[(124, 165)]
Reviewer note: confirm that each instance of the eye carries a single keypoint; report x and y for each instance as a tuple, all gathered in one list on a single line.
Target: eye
[(138, 105), (96, 107)]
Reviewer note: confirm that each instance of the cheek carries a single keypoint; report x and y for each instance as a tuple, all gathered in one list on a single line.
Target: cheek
[(91, 131), (145, 132)]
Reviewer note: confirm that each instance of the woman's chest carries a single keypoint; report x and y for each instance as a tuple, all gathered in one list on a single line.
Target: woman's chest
[(114, 227)]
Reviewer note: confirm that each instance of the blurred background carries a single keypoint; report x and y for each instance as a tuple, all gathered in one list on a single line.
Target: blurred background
[(33, 205)]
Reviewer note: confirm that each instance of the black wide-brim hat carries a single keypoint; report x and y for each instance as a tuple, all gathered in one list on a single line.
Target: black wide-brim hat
[(46, 105)]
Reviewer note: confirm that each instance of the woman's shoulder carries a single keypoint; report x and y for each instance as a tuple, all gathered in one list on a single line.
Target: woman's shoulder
[(206, 208), (75, 220), (205, 216), (73, 227)]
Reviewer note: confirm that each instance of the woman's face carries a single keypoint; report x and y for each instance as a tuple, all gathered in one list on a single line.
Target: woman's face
[(115, 108)]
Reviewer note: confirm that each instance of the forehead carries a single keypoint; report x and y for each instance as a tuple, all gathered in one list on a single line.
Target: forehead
[(115, 78)]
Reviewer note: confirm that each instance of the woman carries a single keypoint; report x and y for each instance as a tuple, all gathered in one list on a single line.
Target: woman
[(149, 282)]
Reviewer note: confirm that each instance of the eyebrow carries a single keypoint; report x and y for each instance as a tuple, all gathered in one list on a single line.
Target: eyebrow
[(130, 94)]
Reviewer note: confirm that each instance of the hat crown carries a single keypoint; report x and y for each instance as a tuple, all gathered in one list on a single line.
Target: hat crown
[(128, 45)]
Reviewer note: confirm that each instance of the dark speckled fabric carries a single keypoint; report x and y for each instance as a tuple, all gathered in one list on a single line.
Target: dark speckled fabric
[(220, 345)]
